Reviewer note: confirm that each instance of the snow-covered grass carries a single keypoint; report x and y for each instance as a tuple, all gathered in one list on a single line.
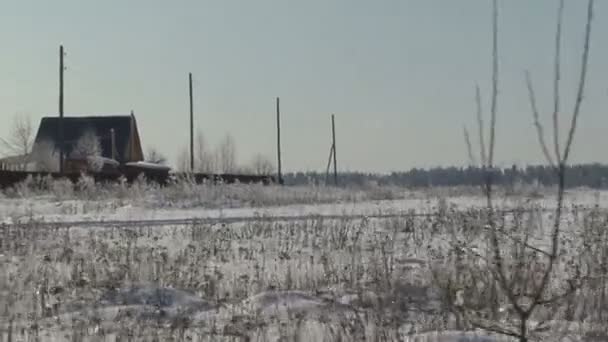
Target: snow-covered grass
[(313, 280), (48, 200), (340, 278)]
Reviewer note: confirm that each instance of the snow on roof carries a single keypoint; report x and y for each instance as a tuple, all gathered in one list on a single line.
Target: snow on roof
[(147, 165)]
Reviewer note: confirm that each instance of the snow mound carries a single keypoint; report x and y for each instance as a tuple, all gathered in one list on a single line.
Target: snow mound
[(161, 297), (455, 336), (281, 303)]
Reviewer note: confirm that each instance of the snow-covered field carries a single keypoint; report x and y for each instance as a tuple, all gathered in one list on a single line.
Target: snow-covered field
[(249, 201), (308, 280)]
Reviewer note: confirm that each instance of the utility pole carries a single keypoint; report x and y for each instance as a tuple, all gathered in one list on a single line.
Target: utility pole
[(60, 128), (333, 133), (331, 154), (113, 140), (191, 124), (280, 175)]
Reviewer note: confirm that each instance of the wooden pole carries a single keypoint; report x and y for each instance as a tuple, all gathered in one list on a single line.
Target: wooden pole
[(191, 124), (131, 138), (331, 154), (60, 128), (333, 134), (113, 139), (279, 171)]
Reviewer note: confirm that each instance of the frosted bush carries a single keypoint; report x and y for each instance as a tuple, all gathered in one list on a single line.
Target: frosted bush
[(186, 193), (87, 189), (62, 189), (24, 189)]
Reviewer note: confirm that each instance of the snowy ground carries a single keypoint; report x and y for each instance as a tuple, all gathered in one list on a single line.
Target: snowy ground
[(312, 280), (51, 209)]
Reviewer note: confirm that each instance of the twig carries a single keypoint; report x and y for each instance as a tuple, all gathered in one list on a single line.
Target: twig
[(491, 327), (522, 243), (537, 124)]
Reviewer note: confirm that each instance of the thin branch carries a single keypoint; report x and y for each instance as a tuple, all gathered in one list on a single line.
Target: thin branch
[(582, 81), (494, 83), (562, 164), (523, 243), (572, 288), (482, 138), (7, 146), (498, 259), (467, 140), (558, 38), (559, 297), (493, 328), (537, 124)]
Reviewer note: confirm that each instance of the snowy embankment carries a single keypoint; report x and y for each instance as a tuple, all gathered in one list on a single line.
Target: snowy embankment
[(49, 210)]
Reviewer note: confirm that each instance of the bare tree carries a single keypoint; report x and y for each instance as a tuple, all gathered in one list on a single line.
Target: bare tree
[(20, 141), (204, 159), (262, 165), (524, 275), (226, 155), (21, 137), (154, 156)]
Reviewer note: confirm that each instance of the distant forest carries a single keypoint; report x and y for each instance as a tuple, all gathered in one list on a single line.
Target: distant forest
[(585, 175)]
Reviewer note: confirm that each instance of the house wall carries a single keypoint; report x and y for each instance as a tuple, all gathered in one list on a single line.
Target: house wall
[(134, 148)]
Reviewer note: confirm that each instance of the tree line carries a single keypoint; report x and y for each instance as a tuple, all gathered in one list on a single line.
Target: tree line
[(584, 175)]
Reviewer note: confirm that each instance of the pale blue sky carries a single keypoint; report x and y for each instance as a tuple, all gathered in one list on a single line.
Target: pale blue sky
[(398, 74)]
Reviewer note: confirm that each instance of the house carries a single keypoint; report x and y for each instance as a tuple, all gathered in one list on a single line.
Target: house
[(114, 138)]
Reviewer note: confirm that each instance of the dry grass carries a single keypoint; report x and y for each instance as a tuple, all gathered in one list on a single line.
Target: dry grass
[(186, 194)]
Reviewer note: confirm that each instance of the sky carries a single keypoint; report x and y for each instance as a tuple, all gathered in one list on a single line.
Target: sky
[(399, 75)]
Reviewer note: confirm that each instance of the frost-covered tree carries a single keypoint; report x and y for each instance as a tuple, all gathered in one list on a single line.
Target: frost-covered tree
[(88, 147), (226, 155), (45, 157), (262, 165)]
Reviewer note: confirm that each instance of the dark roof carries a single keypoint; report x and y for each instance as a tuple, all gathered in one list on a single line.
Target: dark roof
[(74, 127)]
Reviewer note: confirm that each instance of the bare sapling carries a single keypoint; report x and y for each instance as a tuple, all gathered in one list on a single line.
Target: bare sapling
[(530, 277)]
